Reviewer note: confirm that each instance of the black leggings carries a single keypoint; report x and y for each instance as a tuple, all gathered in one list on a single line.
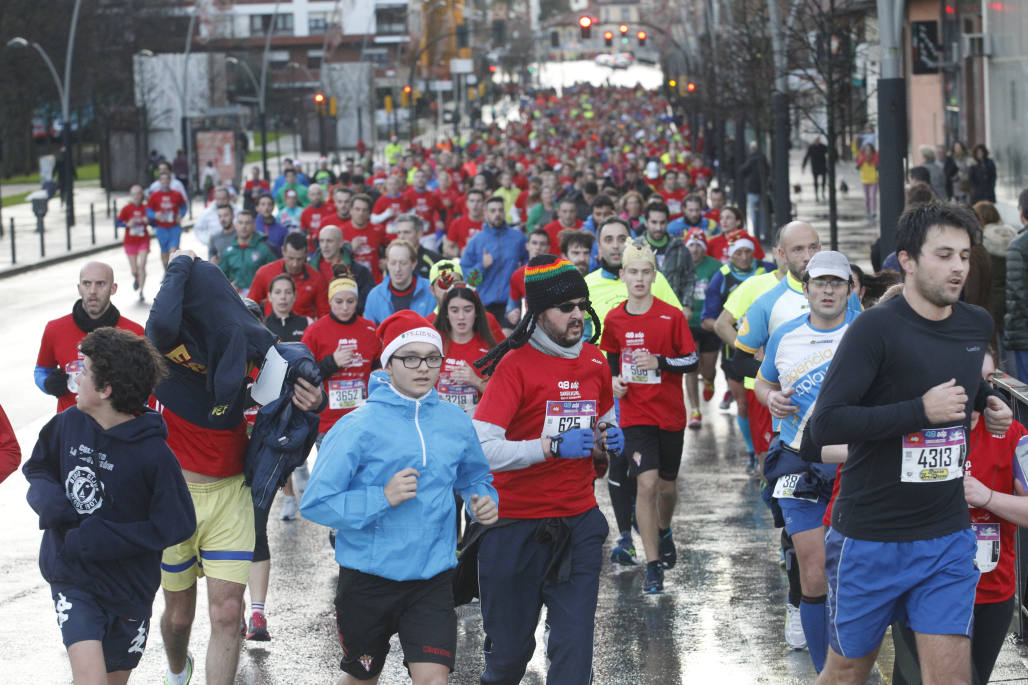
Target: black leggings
[(991, 624)]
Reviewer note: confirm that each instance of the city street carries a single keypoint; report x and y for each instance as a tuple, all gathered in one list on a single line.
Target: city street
[(720, 620)]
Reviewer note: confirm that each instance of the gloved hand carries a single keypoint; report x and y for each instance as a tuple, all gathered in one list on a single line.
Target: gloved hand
[(576, 443), (56, 383), (613, 437)]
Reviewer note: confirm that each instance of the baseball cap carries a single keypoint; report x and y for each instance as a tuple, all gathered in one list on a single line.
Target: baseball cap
[(697, 236), (829, 263)]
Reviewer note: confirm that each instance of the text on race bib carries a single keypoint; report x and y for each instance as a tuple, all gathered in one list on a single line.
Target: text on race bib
[(564, 416), (345, 394), (633, 374), (986, 557), (933, 455), (785, 487)]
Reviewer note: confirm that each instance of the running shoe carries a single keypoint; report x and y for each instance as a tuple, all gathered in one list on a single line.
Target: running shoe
[(258, 631), (624, 552), (141, 298), (189, 672), (300, 477), (695, 419), (708, 390), (654, 582), (289, 508), (794, 636), (135, 284), (667, 550), (726, 401), (751, 464)]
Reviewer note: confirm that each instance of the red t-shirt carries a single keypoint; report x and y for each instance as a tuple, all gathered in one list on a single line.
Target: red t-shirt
[(313, 219), (717, 247), (713, 214), (991, 460), (311, 289), (215, 453), (654, 398), (674, 199), (256, 188), (134, 218), (347, 388), (464, 396), (553, 229), (425, 204), (365, 250), (398, 205), (462, 229), (532, 394), (517, 284), (165, 205), (451, 202), (60, 348)]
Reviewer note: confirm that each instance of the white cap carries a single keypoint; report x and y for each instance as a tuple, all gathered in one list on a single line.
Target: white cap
[(740, 244), (652, 170), (829, 263)]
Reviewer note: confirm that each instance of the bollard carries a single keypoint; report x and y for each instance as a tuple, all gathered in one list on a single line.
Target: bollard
[(14, 254), (115, 223), (67, 236), (39, 230), (108, 203), (92, 225)]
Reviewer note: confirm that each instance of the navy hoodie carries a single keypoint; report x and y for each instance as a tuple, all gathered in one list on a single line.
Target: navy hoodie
[(109, 501)]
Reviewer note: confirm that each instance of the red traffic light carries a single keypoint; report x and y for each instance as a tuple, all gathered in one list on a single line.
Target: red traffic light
[(691, 87), (608, 35), (319, 98), (623, 29), (492, 68), (585, 22), (641, 35), (406, 89)]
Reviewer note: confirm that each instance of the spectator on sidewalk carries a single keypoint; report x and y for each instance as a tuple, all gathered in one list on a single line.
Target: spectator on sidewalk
[(817, 155), (1015, 322), (753, 169)]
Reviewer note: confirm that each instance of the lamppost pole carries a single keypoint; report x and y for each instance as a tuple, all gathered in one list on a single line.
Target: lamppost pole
[(260, 110)]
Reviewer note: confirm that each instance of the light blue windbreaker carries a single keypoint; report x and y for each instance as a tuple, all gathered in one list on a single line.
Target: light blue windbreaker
[(417, 539)]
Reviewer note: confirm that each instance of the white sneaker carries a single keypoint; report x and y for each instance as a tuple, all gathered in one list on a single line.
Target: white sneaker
[(289, 508), (794, 636), (300, 477)]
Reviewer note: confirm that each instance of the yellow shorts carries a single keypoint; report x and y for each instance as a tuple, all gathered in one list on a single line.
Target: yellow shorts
[(222, 546)]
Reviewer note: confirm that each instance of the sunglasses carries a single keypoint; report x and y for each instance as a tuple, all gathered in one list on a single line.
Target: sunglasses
[(568, 307)]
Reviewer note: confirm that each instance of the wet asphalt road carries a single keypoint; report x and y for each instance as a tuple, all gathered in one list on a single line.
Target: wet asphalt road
[(719, 621)]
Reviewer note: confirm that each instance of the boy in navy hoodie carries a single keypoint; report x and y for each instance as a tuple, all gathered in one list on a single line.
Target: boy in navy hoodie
[(110, 497)]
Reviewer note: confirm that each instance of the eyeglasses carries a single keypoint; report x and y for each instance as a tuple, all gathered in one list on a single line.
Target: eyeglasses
[(433, 361), (826, 283), (568, 307)]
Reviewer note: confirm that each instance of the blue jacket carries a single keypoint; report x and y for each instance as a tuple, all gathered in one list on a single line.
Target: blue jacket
[(379, 305), (109, 502), (416, 539), (507, 246)]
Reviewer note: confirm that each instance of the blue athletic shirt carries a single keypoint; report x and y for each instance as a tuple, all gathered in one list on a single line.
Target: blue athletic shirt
[(797, 356)]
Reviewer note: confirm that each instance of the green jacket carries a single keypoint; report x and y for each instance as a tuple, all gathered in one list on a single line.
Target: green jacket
[(240, 264), (301, 195)]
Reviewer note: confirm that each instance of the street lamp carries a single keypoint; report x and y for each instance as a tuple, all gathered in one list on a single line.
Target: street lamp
[(62, 91), (261, 118)]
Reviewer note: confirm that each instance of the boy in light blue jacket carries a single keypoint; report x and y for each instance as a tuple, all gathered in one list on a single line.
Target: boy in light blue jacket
[(385, 477)]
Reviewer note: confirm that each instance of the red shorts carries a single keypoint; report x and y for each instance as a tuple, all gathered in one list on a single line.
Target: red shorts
[(760, 423), (134, 248)]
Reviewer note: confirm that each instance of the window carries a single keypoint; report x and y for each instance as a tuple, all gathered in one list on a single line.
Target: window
[(391, 20), (259, 24), (317, 22)]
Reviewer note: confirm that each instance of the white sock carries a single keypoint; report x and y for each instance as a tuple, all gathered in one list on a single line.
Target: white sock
[(178, 678)]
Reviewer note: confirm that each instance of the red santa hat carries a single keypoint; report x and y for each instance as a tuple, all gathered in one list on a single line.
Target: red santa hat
[(406, 326)]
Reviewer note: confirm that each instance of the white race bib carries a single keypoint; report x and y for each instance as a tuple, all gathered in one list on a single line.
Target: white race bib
[(785, 487), (987, 556), (674, 207), (933, 455), (633, 374), (345, 394), (464, 396), (563, 416), (137, 230), (74, 370)]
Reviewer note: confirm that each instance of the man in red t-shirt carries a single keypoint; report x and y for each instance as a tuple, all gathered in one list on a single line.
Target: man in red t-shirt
[(254, 188), (366, 240), (538, 243), (390, 205), (566, 219), (423, 202), (649, 347), (59, 362), (545, 420), (311, 289), (133, 220), (314, 216), (673, 194), (464, 228), (165, 208)]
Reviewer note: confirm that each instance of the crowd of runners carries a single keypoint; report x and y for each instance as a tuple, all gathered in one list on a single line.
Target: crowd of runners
[(477, 337)]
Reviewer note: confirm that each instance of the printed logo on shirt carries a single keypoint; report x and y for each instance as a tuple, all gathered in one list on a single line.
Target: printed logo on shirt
[(366, 662), (62, 606), (84, 490)]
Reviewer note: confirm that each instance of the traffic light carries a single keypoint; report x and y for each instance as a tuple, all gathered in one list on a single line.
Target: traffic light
[(332, 107), (623, 28), (554, 39), (585, 25), (462, 36), (672, 83), (690, 87), (319, 104), (642, 38), (608, 39), (405, 96)]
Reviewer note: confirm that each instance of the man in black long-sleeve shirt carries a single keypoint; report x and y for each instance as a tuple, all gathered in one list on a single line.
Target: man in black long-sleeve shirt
[(899, 392)]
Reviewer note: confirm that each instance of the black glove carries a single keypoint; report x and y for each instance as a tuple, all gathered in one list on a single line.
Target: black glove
[(56, 383)]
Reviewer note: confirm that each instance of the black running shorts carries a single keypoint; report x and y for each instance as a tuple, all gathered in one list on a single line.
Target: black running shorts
[(648, 448)]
